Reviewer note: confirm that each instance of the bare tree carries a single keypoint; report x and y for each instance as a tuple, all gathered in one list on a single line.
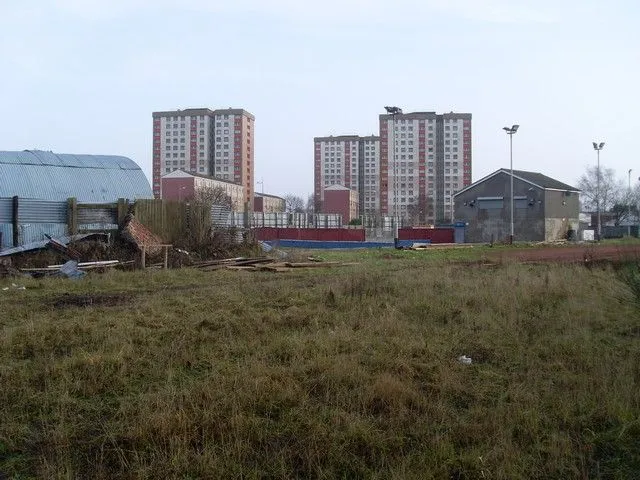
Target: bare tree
[(420, 210), (623, 212), (311, 203), (294, 203), (611, 191), (627, 206), (199, 213), (212, 196)]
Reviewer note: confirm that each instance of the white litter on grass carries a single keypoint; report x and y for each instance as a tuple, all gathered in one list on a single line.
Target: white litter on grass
[(15, 287), (464, 360)]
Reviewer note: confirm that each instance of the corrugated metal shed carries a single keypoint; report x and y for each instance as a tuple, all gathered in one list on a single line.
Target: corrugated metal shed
[(89, 178)]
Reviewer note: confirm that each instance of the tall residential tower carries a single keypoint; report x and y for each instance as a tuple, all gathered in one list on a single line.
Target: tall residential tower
[(424, 159), (410, 171), (350, 161), (217, 143)]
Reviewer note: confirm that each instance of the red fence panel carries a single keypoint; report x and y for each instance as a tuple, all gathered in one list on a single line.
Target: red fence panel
[(319, 234), (435, 235)]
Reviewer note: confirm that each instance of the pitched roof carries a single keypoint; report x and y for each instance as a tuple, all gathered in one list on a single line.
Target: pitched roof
[(59, 176), (534, 178), (257, 194), (179, 173), (541, 180)]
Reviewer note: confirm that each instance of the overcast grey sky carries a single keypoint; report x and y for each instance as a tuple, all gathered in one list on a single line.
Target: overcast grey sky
[(83, 76)]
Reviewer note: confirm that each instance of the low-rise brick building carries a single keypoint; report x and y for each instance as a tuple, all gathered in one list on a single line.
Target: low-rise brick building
[(263, 202), (341, 200), (180, 185)]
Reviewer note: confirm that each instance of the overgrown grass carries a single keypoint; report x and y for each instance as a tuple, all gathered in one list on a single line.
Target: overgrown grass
[(336, 373)]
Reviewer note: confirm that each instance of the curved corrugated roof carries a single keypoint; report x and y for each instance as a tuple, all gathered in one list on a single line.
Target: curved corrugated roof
[(54, 176)]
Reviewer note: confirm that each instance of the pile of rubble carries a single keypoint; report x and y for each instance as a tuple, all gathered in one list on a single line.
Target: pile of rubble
[(138, 247)]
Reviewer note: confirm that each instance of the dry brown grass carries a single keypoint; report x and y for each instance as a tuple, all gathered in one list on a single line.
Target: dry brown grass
[(347, 373)]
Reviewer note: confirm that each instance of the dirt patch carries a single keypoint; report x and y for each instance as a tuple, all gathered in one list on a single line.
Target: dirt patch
[(98, 300), (572, 254)]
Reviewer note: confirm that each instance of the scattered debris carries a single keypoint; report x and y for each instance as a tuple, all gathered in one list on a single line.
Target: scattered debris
[(136, 233), (64, 241), (70, 270), (464, 360), (63, 248), (311, 264), (101, 264), (231, 262), (552, 242), (265, 246), (265, 264), (14, 287), (439, 246)]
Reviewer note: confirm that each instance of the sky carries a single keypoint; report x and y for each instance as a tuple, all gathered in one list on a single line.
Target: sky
[(84, 76)]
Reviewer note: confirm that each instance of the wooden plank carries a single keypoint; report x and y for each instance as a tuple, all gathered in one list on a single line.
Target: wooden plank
[(254, 261), (311, 264), (269, 268), (123, 209), (224, 261), (72, 215)]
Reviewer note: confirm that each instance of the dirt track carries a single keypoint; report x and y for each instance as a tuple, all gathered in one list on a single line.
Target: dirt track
[(570, 254)]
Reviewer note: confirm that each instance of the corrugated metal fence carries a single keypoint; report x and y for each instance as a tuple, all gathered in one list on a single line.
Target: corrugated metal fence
[(38, 217), (6, 222)]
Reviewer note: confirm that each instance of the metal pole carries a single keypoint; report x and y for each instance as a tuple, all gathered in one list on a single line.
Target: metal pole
[(598, 196), (395, 184), (511, 161), (629, 206), (451, 207)]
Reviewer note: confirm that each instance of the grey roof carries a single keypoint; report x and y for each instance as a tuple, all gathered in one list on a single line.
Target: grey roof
[(203, 111), (199, 175), (534, 178), (541, 180), (89, 178), (257, 194)]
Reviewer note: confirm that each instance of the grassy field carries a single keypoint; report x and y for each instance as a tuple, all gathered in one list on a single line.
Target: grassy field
[(324, 373)]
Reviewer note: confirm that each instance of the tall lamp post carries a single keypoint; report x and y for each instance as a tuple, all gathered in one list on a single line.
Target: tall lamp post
[(629, 205), (597, 147), (511, 131), (393, 111)]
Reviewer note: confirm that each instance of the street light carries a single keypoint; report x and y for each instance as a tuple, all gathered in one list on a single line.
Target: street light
[(393, 111), (511, 131), (629, 205), (597, 147)]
